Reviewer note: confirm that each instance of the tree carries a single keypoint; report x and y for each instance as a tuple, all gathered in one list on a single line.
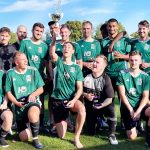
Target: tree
[(13, 38), (76, 27), (135, 35)]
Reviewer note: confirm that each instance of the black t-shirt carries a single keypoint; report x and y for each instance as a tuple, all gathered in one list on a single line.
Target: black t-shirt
[(6, 56), (101, 86)]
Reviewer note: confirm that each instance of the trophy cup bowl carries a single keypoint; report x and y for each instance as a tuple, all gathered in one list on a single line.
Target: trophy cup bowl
[(56, 16)]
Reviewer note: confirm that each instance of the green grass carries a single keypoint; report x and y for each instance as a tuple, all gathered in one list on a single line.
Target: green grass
[(97, 142)]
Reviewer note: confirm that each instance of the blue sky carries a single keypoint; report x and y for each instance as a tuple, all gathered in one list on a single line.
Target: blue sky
[(27, 12)]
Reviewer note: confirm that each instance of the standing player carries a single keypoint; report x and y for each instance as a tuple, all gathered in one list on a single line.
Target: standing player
[(133, 85), (65, 33), (21, 34), (23, 87), (37, 54), (90, 47), (67, 91), (143, 45), (6, 50)]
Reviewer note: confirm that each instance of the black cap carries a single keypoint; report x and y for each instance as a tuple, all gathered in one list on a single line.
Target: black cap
[(51, 23)]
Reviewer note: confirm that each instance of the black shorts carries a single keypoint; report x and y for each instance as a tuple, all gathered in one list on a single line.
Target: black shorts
[(22, 123), (129, 123), (59, 111), (107, 111)]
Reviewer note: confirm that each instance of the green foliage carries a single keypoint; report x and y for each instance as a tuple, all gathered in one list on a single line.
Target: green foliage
[(76, 27), (134, 35), (13, 38)]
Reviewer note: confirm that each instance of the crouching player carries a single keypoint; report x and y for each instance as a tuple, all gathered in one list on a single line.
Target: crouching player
[(6, 116), (23, 87)]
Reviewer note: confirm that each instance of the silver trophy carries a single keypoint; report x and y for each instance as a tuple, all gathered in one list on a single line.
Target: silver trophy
[(58, 15)]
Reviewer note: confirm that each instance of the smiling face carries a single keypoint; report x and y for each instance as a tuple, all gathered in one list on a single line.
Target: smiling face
[(68, 50), (112, 28), (135, 61), (99, 64), (21, 61), (65, 33), (4, 38), (37, 32), (143, 31)]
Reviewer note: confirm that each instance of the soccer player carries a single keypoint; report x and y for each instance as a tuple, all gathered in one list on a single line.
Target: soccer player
[(37, 54), (116, 58), (142, 44), (133, 85), (67, 90), (65, 33), (98, 95), (6, 50), (21, 34), (6, 116), (90, 47), (23, 87)]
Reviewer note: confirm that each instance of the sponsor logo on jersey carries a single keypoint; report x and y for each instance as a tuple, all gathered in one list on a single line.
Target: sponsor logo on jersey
[(28, 78), (87, 53), (34, 58), (72, 69), (139, 81), (92, 46), (66, 74), (82, 45), (132, 91), (40, 49), (127, 80), (22, 89)]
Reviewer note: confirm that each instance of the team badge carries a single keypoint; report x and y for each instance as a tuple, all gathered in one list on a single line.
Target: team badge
[(72, 69), (139, 81), (14, 79), (28, 78), (146, 47), (92, 46), (118, 44), (40, 49)]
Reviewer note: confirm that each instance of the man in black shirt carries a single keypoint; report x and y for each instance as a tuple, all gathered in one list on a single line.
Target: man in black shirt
[(98, 95)]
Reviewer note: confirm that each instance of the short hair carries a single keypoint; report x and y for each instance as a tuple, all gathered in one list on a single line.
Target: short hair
[(144, 23), (65, 26), (5, 29), (112, 20), (135, 52), (38, 24), (87, 22), (21, 26), (103, 57), (18, 53), (71, 44), (103, 27)]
